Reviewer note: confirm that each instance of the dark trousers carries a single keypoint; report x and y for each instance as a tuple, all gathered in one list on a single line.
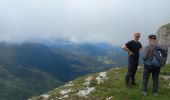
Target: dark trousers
[(155, 77), (132, 67)]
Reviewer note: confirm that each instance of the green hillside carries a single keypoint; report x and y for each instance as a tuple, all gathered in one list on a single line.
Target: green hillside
[(29, 69), (25, 83), (109, 85)]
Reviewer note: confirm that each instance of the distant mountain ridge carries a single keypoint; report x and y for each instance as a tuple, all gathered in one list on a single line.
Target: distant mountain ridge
[(40, 67)]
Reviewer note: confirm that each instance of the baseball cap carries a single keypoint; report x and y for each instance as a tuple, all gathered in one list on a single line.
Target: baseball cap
[(152, 37)]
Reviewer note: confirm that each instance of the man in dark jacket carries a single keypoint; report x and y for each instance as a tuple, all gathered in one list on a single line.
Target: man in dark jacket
[(149, 68), (132, 47)]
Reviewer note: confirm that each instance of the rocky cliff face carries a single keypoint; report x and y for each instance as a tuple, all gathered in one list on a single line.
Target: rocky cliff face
[(163, 35)]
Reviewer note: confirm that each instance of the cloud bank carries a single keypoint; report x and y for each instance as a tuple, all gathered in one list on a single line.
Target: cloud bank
[(112, 21)]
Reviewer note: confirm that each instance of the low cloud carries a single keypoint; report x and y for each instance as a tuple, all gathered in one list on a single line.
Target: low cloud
[(112, 21)]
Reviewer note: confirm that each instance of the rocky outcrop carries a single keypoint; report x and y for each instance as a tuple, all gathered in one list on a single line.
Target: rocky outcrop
[(163, 36)]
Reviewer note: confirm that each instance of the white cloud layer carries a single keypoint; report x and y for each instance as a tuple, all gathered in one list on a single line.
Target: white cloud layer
[(112, 21)]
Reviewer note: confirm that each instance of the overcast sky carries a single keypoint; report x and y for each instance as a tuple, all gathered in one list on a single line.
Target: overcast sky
[(112, 21)]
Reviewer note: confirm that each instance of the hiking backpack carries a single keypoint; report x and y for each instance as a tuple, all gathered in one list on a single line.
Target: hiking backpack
[(158, 58)]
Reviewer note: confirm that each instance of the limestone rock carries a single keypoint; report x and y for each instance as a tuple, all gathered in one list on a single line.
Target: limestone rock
[(163, 36)]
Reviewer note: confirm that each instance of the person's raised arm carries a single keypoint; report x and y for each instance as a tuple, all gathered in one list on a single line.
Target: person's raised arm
[(126, 49)]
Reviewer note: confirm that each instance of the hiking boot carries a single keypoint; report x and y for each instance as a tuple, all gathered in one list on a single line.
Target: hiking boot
[(155, 94), (129, 85), (133, 83), (145, 93)]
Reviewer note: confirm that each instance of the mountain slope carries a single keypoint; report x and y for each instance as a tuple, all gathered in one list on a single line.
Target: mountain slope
[(104, 53), (35, 56), (57, 61), (31, 68), (24, 83), (108, 85)]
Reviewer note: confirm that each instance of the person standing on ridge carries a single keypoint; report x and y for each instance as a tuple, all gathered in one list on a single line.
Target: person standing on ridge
[(132, 47), (155, 57)]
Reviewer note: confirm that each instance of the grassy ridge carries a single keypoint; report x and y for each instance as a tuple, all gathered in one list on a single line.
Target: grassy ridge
[(114, 87)]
